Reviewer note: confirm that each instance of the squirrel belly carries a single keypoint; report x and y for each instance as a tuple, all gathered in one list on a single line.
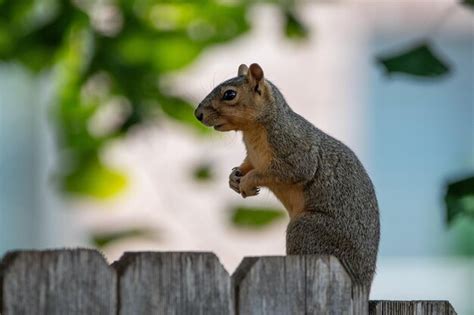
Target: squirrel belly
[(322, 184)]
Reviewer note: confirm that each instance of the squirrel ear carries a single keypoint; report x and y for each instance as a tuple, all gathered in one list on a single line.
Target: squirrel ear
[(256, 72), (243, 70)]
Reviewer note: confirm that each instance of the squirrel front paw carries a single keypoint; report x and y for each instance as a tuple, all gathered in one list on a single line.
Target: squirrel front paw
[(234, 179), (247, 188)]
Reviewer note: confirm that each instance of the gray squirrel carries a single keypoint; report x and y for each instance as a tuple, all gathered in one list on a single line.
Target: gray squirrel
[(325, 189)]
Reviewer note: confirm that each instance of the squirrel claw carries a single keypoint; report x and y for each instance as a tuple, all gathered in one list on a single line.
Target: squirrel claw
[(251, 192), (236, 171), (234, 187), (247, 185), (234, 179)]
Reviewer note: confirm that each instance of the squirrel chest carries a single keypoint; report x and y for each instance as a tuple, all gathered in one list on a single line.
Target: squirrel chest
[(260, 155), (258, 148)]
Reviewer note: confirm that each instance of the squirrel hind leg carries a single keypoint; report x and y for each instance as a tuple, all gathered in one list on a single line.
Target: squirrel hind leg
[(319, 234)]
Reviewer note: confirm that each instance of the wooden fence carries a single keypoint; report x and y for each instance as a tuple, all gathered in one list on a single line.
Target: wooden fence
[(80, 281)]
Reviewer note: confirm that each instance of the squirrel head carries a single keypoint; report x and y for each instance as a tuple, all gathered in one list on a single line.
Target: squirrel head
[(236, 104)]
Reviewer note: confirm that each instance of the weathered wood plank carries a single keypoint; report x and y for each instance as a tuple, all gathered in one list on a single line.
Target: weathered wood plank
[(57, 282), (295, 285), (411, 308), (173, 283)]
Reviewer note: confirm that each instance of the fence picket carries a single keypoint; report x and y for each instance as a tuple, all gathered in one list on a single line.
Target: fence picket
[(295, 285), (411, 308), (57, 282), (79, 281), (173, 283)]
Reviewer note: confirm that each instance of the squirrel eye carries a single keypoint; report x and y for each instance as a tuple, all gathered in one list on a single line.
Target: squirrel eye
[(229, 95)]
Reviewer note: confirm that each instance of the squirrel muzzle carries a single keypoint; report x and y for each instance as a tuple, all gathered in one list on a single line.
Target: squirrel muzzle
[(207, 115), (198, 113)]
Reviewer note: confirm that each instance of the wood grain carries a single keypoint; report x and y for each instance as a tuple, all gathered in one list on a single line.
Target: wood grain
[(411, 308), (173, 283), (294, 285), (80, 282), (57, 282)]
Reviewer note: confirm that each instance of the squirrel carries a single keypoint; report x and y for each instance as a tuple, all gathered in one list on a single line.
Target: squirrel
[(322, 184)]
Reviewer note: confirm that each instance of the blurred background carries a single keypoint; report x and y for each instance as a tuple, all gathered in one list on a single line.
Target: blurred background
[(99, 146)]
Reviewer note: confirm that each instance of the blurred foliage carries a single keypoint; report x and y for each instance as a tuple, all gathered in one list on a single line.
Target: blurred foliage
[(96, 180), (418, 60), (459, 199), (462, 235), (293, 27), (101, 240), (255, 217), (181, 110), (203, 173), (101, 51), (114, 55), (421, 61), (468, 3)]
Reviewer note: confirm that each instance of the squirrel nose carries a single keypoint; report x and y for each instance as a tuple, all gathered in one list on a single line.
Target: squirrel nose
[(199, 115)]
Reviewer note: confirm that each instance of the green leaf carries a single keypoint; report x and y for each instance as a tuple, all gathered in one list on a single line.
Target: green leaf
[(294, 29), (101, 240), (203, 173), (469, 3), (462, 234), (134, 47), (226, 21), (182, 111), (94, 179), (255, 217), (459, 199), (174, 52), (34, 39), (419, 60)]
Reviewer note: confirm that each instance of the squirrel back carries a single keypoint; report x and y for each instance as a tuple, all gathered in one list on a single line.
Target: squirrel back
[(328, 194)]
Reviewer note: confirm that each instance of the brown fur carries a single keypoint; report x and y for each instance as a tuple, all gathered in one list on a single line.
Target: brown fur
[(291, 196), (324, 187), (258, 149), (259, 156), (242, 114)]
